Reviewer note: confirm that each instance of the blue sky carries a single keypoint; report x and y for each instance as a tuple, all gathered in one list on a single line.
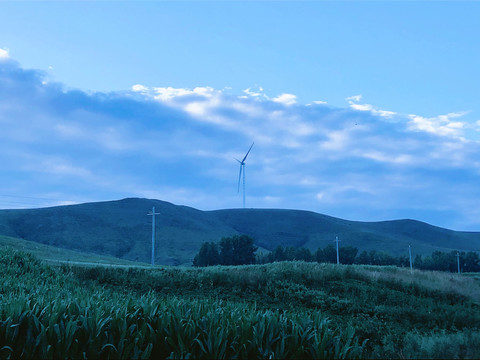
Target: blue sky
[(361, 110)]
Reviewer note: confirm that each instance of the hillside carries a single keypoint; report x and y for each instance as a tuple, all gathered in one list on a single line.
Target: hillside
[(55, 254), (308, 229), (118, 228), (123, 229)]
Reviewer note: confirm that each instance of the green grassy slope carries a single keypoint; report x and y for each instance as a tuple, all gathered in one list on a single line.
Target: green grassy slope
[(303, 228), (122, 229), (54, 254)]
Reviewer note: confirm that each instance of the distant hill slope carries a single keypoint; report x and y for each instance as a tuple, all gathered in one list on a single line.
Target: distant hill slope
[(123, 229), (119, 228), (54, 254), (304, 228)]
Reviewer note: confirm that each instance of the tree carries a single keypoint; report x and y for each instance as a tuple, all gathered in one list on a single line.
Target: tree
[(290, 253), (226, 251), (237, 250), (364, 258), (418, 262), (330, 254), (279, 253), (303, 254), (319, 256), (471, 262), (243, 250), (347, 254), (207, 256)]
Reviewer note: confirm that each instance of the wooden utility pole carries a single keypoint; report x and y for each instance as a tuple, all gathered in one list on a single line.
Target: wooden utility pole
[(336, 240), (152, 214)]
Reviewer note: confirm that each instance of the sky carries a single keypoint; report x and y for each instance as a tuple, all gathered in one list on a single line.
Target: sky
[(366, 111)]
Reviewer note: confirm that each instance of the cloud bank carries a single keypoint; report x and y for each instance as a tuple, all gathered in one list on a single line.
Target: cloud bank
[(357, 162)]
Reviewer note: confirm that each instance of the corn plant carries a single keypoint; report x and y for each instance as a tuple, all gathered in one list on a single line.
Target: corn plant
[(49, 314)]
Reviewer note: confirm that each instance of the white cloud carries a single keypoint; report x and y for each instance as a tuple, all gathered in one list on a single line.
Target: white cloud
[(337, 141), (390, 158), (4, 54), (361, 107), (169, 93), (286, 99), (206, 91), (139, 88), (355, 98), (258, 93), (353, 101), (440, 125)]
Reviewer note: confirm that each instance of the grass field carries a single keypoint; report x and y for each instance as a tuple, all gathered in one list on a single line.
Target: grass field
[(279, 310)]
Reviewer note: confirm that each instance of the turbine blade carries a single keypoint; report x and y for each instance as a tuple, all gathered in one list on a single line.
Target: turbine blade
[(248, 152), (239, 177)]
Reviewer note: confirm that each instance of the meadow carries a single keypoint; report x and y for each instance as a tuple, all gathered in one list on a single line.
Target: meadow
[(278, 310)]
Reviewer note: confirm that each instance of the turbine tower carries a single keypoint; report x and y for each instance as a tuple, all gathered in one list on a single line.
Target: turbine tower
[(242, 168)]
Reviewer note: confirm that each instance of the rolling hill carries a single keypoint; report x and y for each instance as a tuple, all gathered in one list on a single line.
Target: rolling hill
[(123, 229)]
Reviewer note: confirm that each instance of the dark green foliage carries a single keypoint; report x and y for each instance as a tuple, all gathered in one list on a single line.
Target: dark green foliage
[(471, 262), (234, 250), (243, 250), (328, 254), (363, 258), (447, 261), (347, 254), (278, 254), (303, 254), (439, 261), (226, 251), (208, 255)]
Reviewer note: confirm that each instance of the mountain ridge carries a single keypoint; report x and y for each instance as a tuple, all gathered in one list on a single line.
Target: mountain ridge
[(122, 228)]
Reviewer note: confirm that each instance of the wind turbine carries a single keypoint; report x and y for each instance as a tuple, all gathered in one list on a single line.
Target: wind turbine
[(242, 168)]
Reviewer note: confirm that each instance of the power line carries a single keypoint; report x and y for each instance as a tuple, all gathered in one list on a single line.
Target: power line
[(7, 200), (31, 197)]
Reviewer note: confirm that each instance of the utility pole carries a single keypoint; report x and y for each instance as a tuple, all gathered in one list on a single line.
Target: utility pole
[(458, 261), (410, 255), (336, 240), (152, 214)]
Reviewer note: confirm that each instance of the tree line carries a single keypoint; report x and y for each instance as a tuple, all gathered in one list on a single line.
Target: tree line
[(240, 250), (234, 250)]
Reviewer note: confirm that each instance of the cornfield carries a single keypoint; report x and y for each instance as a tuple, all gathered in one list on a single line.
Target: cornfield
[(49, 314)]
